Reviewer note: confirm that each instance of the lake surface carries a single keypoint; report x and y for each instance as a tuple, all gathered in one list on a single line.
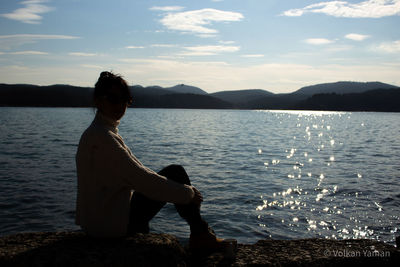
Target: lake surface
[(263, 174)]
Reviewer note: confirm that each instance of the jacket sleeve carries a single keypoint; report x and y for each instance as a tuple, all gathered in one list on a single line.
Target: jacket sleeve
[(128, 171)]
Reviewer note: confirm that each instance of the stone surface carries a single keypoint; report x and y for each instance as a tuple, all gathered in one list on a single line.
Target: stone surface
[(77, 249), (317, 252)]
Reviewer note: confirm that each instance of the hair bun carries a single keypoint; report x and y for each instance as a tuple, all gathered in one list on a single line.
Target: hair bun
[(105, 74)]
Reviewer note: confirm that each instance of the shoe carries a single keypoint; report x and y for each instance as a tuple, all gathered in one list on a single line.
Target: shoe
[(207, 241)]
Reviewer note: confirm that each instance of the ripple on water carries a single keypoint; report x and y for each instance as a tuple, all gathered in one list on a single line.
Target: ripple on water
[(264, 174)]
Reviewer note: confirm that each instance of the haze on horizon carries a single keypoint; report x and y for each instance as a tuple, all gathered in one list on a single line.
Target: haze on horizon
[(216, 45)]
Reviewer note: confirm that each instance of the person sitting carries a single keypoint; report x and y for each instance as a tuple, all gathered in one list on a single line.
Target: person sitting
[(117, 195)]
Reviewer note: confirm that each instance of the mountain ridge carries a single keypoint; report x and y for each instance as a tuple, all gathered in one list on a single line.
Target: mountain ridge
[(185, 96), (239, 97), (342, 87)]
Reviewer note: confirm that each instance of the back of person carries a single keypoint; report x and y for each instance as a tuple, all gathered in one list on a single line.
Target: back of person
[(117, 194), (98, 191)]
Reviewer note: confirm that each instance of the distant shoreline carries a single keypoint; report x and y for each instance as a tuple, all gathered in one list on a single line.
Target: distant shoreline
[(340, 96), (227, 109)]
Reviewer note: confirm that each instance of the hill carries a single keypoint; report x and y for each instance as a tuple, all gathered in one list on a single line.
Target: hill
[(186, 89), (158, 90), (374, 100), (151, 91), (45, 96), (382, 97), (241, 98), (342, 88), (180, 96)]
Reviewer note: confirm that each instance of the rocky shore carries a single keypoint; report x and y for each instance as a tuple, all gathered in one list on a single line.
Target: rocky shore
[(77, 249)]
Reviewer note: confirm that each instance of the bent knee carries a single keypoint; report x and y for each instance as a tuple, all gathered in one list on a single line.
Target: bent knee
[(176, 173)]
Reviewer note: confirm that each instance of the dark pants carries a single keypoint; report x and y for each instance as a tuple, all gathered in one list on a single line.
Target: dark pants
[(143, 209)]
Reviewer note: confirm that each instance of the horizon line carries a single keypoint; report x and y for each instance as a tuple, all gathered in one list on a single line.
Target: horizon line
[(232, 90)]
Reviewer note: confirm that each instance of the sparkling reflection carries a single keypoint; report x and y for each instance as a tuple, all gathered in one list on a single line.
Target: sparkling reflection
[(238, 159), (314, 196)]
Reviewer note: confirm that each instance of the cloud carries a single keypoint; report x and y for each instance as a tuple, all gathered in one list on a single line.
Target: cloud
[(46, 75), (365, 9), (208, 50), (30, 13), (338, 48), (226, 42), (198, 21), (169, 56), (356, 37), (276, 77), (209, 75), (30, 52), (166, 8), (318, 41), (390, 47), (82, 54), (253, 55), (164, 45), (8, 41), (38, 36), (134, 47)]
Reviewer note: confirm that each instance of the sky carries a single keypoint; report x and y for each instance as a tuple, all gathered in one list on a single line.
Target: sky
[(216, 45)]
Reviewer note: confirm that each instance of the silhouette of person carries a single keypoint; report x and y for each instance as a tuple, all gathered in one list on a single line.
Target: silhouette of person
[(117, 195)]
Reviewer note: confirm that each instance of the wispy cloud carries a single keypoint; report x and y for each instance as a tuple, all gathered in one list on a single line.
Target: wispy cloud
[(338, 48), (8, 41), (30, 13), (226, 42), (134, 47), (365, 9), (275, 77), (169, 57), (198, 21), (253, 55), (356, 37), (209, 50), (167, 8), (390, 47), (38, 36), (164, 45), (29, 52), (82, 54), (318, 41)]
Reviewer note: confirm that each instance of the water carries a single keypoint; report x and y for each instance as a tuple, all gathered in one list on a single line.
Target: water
[(263, 174)]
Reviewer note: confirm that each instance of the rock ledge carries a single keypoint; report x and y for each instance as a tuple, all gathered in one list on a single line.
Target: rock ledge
[(77, 249)]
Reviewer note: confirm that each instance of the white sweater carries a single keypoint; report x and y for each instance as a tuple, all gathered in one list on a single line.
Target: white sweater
[(107, 173)]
